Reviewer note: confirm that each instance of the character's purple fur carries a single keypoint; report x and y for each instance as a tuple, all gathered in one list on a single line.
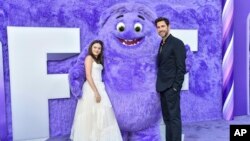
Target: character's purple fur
[(130, 69), (189, 59)]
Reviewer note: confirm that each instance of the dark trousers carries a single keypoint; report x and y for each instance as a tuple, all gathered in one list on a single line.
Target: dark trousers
[(170, 104)]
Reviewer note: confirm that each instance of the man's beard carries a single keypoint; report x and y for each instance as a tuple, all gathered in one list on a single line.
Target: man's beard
[(165, 34)]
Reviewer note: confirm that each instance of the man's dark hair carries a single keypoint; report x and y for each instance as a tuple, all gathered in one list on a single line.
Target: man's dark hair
[(162, 19)]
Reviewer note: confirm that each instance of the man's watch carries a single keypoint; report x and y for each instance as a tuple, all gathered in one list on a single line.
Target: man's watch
[(175, 89)]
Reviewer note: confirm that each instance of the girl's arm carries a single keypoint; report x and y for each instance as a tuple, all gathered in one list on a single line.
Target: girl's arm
[(88, 68)]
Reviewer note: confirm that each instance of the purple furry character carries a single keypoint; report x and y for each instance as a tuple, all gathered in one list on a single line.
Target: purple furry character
[(130, 49), (131, 45)]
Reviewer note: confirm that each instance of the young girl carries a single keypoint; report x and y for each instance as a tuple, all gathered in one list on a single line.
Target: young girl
[(94, 117)]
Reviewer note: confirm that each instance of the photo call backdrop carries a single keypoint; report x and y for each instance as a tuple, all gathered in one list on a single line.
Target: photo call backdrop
[(40, 41)]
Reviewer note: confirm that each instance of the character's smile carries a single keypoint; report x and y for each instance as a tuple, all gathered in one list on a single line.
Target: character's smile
[(132, 42)]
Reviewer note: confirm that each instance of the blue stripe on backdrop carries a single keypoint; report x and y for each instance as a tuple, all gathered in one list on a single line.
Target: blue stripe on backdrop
[(3, 124)]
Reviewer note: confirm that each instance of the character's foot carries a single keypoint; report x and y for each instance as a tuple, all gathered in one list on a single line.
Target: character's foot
[(149, 134)]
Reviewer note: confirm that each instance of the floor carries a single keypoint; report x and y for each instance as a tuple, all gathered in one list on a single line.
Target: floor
[(216, 130)]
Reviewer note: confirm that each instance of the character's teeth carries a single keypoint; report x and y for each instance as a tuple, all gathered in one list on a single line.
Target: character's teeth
[(131, 42)]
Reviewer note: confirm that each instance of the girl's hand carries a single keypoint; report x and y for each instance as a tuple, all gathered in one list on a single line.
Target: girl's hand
[(98, 98)]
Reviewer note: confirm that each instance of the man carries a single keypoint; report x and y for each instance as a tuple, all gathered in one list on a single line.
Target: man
[(170, 76)]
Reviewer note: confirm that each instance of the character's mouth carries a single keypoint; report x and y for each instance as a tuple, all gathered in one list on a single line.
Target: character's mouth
[(132, 42)]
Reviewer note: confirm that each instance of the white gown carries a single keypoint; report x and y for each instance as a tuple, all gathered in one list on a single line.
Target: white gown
[(95, 121)]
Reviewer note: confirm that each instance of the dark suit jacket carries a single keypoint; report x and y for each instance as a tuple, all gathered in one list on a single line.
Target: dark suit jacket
[(171, 64)]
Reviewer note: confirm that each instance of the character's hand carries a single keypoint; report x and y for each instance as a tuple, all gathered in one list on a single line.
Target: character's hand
[(76, 81), (76, 89)]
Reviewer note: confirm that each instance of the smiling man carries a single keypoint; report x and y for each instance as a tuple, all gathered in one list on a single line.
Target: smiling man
[(170, 76)]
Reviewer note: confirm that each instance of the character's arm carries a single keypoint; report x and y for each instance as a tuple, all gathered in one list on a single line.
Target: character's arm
[(189, 58), (77, 76)]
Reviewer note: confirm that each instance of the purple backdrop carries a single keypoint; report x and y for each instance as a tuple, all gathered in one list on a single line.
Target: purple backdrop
[(240, 51), (201, 102)]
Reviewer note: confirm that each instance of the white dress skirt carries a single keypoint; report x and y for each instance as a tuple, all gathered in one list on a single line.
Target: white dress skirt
[(95, 121)]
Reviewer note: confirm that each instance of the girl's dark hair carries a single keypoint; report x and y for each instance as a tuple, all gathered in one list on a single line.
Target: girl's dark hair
[(99, 58)]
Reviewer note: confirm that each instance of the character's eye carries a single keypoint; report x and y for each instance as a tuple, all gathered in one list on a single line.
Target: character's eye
[(120, 27), (138, 27)]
